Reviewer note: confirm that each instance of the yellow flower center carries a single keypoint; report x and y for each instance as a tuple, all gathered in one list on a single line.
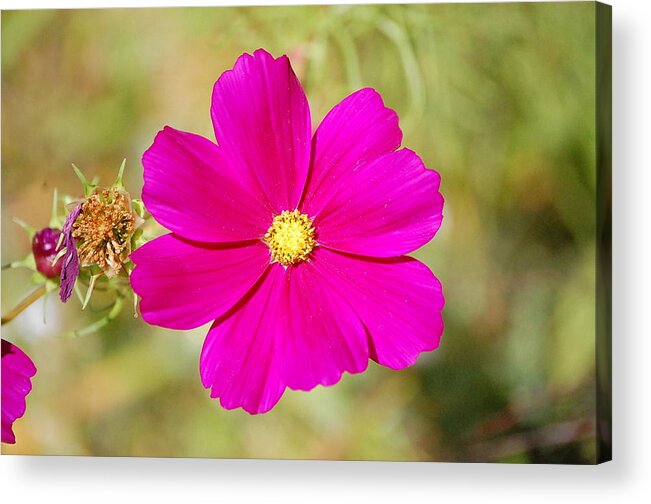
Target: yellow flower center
[(290, 237)]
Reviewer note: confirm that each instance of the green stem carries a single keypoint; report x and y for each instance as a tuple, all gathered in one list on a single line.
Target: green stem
[(24, 304)]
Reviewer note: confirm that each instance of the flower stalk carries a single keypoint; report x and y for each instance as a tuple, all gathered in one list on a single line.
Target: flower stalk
[(30, 299)]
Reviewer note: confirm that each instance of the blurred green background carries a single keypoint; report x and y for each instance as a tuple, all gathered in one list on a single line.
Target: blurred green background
[(499, 98)]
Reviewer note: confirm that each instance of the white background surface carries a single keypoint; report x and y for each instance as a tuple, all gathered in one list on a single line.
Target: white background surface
[(626, 480)]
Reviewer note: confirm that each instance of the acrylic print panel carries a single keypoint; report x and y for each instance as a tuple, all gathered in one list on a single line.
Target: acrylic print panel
[(346, 233)]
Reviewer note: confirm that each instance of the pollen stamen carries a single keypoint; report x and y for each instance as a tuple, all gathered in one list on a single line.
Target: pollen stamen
[(104, 229), (290, 237)]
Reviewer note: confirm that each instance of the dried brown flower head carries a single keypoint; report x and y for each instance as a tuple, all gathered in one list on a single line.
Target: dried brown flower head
[(104, 229)]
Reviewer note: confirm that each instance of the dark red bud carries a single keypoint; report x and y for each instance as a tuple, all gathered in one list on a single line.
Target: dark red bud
[(44, 248)]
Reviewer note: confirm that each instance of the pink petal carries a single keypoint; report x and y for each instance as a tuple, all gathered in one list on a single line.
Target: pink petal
[(185, 284), (292, 330), (240, 360), (324, 337), (70, 261), (17, 371), (262, 122), (399, 301), (191, 190), (385, 208), (356, 131)]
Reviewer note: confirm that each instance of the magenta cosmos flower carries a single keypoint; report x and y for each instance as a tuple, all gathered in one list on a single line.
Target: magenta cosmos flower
[(17, 371), (290, 243)]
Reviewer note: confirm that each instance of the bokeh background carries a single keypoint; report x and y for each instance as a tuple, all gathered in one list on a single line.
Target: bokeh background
[(499, 98)]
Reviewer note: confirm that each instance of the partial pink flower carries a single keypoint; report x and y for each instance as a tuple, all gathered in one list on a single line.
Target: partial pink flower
[(290, 243), (17, 371)]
